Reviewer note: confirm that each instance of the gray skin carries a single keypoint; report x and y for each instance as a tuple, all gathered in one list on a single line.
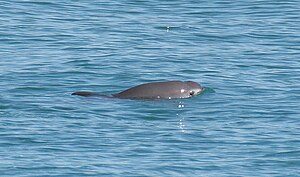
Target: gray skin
[(156, 90)]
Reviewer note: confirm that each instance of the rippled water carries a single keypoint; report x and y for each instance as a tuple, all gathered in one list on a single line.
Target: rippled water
[(246, 53)]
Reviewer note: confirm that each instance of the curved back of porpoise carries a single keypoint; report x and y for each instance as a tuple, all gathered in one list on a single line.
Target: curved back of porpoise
[(161, 90)]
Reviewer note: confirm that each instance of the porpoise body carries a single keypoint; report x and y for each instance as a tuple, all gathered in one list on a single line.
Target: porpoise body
[(155, 90)]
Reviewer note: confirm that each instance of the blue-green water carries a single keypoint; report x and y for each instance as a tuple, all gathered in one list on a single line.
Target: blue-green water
[(246, 52)]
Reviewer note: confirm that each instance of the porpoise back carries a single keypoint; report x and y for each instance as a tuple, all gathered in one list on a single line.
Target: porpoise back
[(156, 90), (162, 90)]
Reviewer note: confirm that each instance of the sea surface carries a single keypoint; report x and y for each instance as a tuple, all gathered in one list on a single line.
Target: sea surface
[(246, 53)]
